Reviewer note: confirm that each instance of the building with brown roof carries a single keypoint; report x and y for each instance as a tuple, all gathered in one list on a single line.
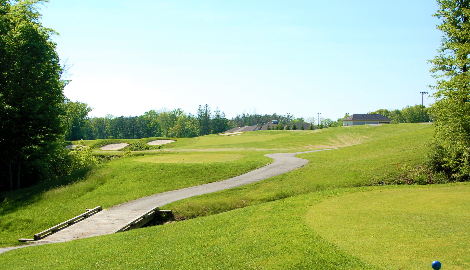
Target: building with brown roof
[(366, 119)]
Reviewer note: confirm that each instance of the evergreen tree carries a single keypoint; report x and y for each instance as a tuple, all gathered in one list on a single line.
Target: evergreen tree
[(451, 141), (204, 119), (219, 122)]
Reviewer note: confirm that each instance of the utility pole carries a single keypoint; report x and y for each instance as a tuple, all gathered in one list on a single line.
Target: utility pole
[(422, 105)]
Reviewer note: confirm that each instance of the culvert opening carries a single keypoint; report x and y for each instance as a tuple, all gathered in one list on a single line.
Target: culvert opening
[(161, 217)]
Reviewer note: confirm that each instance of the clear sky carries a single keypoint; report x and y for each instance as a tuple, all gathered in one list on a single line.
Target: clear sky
[(332, 57)]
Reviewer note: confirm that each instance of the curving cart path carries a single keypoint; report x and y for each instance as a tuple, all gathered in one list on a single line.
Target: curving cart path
[(113, 219)]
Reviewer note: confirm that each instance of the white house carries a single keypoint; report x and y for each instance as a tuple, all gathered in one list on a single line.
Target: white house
[(366, 119)]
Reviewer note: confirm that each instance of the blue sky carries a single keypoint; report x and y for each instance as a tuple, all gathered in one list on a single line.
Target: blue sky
[(299, 57)]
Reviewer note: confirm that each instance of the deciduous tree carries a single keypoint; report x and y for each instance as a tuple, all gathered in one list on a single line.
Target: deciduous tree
[(30, 93), (451, 142)]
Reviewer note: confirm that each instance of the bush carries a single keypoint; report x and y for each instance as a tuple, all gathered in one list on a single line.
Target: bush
[(137, 146), (408, 175), (81, 157)]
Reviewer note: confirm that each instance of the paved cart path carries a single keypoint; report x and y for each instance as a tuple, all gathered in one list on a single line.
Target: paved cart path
[(113, 219)]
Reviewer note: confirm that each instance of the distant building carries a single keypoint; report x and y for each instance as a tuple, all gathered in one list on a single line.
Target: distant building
[(243, 129), (271, 125), (366, 119)]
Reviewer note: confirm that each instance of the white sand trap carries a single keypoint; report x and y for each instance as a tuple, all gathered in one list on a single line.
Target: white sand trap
[(160, 142), (114, 146), (231, 134)]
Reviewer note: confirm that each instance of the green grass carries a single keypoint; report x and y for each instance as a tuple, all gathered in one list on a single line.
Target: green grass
[(275, 235), (266, 225), (32, 210), (267, 236), (352, 166), (406, 228), (192, 158), (301, 140)]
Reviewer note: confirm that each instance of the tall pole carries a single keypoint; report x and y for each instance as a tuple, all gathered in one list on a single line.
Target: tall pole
[(319, 119), (422, 105)]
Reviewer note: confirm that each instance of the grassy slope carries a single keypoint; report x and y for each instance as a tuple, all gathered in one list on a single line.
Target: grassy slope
[(270, 235), (275, 235), (32, 210), (345, 167), (267, 236)]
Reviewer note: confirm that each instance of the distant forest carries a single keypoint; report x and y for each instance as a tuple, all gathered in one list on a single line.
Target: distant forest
[(177, 124)]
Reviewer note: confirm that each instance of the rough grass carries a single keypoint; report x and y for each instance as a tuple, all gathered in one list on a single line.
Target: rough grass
[(352, 166), (268, 236), (33, 210), (301, 140), (273, 230), (276, 235)]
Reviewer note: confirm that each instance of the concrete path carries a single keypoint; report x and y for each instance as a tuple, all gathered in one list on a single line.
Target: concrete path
[(113, 219)]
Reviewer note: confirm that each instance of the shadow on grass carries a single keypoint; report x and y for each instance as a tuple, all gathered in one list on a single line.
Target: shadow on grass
[(20, 198)]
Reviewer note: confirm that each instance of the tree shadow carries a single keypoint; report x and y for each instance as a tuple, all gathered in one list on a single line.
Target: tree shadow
[(17, 199)]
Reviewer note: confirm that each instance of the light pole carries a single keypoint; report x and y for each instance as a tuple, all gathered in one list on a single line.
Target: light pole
[(319, 119), (422, 105)]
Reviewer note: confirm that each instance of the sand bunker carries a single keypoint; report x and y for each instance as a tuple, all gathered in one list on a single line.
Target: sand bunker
[(114, 146), (160, 142), (231, 134)]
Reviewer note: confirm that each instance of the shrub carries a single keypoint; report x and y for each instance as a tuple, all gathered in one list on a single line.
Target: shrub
[(408, 175), (137, 146), (81, 157)]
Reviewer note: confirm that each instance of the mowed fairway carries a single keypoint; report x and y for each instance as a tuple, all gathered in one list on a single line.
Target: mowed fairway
[(191, 158), (270, 224)]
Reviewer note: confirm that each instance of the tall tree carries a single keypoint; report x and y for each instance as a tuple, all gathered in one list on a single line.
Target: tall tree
[(219, 122), (30, 92), (204, 118), (451, 141), (75, 119)]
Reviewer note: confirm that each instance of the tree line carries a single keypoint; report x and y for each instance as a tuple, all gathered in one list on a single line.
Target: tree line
[(35, 116), (163, 123), (177, 124), (409, 114)]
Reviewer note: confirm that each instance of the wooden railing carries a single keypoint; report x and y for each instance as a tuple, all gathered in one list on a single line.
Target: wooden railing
[(142, 220), (67, 223)]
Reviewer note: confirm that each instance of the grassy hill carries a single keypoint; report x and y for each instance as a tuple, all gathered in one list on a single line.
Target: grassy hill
[(296, 220)]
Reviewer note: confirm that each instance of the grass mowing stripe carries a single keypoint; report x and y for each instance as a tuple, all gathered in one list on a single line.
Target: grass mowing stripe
[(191, 158)]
